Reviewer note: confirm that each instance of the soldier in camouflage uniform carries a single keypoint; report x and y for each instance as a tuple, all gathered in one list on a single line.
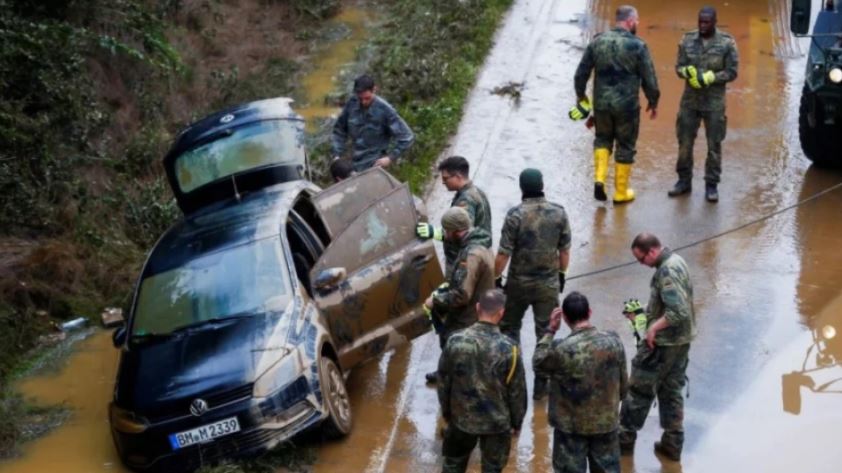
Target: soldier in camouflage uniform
[(660, 365), (707, 60), (482, 392), (588, 373), (621, 64), (371, 123), (536, 238), (472, 274), (455, 172)]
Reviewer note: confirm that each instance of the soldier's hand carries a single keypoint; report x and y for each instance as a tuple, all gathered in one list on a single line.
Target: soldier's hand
[(515, 433), (426, 231), (383, 162), (561, 278), (555, 320), (708, 77), (581, 110), (650, 338), (590, 123), (653, 111)]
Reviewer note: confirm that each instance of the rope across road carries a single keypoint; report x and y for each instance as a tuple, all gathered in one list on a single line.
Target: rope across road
[(721, 234)]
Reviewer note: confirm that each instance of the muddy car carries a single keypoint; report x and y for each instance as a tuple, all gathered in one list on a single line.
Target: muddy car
[(250, 311)]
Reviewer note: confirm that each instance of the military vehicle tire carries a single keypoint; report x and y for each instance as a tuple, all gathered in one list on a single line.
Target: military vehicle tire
[(820, 143), (337, 402)]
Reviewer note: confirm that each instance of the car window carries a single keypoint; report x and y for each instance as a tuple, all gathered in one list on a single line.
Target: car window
[(241, 280), (247, 147), (385, 227), (341, 203)]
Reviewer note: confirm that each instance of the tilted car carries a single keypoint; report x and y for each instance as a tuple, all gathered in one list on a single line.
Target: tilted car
[(251, 309)]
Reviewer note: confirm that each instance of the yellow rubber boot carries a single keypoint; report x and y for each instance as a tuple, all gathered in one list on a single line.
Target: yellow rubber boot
[(622, 191), (600, 165)]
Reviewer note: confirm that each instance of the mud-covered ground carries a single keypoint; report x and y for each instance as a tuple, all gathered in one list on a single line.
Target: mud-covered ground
[(759, 290)]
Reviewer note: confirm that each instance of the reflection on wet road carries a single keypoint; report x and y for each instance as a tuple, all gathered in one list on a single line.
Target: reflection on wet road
[(760, 291)]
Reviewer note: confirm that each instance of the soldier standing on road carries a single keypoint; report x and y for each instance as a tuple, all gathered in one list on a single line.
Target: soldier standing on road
[(621, 64), (371, 123), (660, 365), (472, 274), (707, 60), (536, 238), (455, 172), (482, 392), (588, 372)]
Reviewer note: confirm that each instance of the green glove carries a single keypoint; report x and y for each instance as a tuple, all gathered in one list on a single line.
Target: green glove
[(687, 71), (427, 231), (693, 77), (708, 77), (581, 110)]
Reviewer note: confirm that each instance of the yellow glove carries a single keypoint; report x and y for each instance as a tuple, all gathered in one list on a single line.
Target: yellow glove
[(687, 71), (581, 110), (693, 77), (638, 322), (708, 77), (427, 231)]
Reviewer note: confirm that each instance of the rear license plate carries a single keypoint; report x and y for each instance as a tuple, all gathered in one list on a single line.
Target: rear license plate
[(205, 433)]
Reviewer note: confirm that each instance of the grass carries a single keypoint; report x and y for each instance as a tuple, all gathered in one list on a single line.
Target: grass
[(287, 456)]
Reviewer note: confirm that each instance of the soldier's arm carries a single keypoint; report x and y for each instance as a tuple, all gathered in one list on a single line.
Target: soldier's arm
[(516, 390), (340, 133), (648, 77), (583, 72), (508, 237), (624, 379), (444, 384), (463, 283), (545, 360), (732, 62), (676, 305), (403, 135), (564, 241), (682, 60)]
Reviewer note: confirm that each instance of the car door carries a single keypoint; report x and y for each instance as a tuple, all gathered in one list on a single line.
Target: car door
[(372, 280)]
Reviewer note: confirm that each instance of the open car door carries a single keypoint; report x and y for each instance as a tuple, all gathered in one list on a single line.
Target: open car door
[(372, 280)]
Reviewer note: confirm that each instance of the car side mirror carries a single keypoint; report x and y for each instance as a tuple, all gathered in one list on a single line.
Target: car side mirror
[(329, 279), (799, 19), (118, 337)]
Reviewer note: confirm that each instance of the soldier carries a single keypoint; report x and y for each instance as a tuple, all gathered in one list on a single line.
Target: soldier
[(707, 60), (588, 369), (622, 64), (536, 237), (482, 392), (371, 123), (472, 274), (454, 175), (661, 360)]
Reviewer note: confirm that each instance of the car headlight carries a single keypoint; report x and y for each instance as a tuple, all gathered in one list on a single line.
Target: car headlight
[(281, 373), (829, 331), (126, 421), (835, 75)]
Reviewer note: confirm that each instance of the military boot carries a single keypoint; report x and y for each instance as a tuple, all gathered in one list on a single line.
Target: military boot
[(711, 194), (600, 160), (681, 187), (432, 377), (541, 389), (622, 192), (668, 451), (627, 442)]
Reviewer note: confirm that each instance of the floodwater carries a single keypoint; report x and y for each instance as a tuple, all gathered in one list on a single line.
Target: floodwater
[(761, 392)]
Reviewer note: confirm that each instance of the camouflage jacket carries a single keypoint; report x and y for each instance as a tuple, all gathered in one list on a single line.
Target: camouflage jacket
[(622, 64), (671, 296), (587, 372), (482, 385), (472, 199), (718, 54), (533, 234), (472, 273), (370, 130)]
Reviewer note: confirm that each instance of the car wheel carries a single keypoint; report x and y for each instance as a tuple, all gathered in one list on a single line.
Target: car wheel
[(818, 142), (338, 404)]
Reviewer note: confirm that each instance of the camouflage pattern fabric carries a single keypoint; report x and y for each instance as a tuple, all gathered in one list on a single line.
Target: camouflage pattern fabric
[(587, 371), (622, 64), (457, 447), (482, 386), (671, 296), (370, 129), (471, 275), (472, 199), (686, 128), (717, 54), (572, 452), (660, 372), (620, 126), (533, 234), (542, 297)]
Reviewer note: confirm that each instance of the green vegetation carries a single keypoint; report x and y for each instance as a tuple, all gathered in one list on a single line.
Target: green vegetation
[(20, 421), (288, 456)]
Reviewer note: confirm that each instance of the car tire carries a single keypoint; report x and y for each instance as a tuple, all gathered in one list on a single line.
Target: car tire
[(337, 402), (820, 142)]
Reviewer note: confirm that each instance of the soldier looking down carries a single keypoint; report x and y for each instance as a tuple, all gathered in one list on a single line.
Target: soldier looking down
[(622, 64)]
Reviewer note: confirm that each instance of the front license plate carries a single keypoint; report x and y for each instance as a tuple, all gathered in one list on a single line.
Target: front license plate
[(205, 433)]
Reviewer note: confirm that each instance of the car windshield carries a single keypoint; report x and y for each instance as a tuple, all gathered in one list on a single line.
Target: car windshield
[(233, 281), (247, 147)]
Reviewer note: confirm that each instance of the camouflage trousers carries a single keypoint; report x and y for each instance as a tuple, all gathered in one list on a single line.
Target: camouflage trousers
[(458, 445), (542, 297), (619, 126), (686, 128), (572, 453), (660, 372)]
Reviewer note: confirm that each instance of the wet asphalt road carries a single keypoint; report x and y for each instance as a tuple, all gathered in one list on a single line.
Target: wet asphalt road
[(759, 291)]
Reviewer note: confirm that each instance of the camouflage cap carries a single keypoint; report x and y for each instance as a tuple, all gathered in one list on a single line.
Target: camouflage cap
[(531, 180), (456, 219)]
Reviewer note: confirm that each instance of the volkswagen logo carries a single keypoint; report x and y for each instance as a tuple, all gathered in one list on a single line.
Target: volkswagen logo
[(226, 118), (198, 407)]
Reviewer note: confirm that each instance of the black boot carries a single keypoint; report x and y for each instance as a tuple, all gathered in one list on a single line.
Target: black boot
[(711, 194), (432, 377), (599, 191), (627, 440), (681, 187), (540, 390), (668, 451)]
